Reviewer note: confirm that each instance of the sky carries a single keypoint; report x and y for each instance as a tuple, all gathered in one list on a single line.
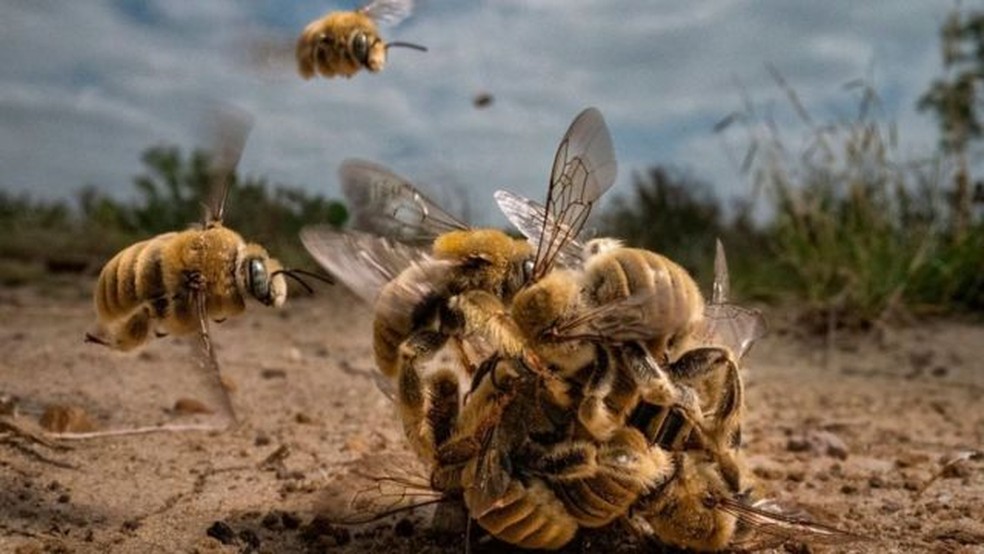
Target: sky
[(85, 87)]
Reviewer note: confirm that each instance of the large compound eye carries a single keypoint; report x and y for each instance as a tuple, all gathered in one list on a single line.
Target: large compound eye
[(360, 48), (258, 280), (527, 270)]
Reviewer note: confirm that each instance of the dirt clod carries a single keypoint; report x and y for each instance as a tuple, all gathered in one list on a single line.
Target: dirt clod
[(222, 532)]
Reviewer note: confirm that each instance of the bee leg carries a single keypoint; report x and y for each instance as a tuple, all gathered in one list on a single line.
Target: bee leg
[(608, 396), (415, 393), (658, 388), (94, 339), (482, 313), (714, 372)]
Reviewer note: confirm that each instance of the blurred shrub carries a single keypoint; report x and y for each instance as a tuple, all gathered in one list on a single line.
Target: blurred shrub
[(862, 235), (171, 195), (671, 212)]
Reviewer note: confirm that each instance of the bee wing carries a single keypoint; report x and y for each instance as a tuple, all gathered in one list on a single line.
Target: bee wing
[(583, 169), (209, 360), (363, 262), (232, 127), (386, 204), (623, 320), (530, 217), (377, 486), (721, 289), (733, 326), (388, 12), (728, 324), (771, 528)]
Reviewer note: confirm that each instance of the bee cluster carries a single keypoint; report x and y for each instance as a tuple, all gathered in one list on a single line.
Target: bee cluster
[(553, 385)]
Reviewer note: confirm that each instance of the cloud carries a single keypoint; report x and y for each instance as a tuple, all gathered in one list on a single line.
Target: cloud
[(86, 86)]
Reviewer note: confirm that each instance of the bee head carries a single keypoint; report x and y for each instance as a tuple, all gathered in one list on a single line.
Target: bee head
[(368, 49), (262, 276), (491, 257)]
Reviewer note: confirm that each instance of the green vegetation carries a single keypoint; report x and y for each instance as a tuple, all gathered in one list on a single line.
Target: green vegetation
[(171, 194), (854, 235)]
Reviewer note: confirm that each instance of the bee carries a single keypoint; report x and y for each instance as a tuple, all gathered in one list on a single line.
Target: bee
[(457, 290), (617, 297), (700, 510), (174, 283), (342, 43), (521, 475)]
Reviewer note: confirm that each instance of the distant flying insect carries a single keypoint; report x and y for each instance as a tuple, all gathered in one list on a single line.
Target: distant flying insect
[(342, 43), (172, 284), (483, 100)]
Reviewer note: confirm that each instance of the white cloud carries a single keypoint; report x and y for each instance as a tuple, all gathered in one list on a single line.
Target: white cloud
[(84, 87)]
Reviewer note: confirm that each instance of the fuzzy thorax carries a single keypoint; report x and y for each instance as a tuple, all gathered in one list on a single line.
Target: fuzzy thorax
[(490, 252)]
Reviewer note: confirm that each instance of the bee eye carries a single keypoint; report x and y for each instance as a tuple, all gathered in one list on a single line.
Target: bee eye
[(257, 280), (527, 270), (360, 48)]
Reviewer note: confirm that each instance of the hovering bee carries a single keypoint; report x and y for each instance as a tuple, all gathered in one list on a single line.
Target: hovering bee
[(175, 282), (342, 43), (461, 287)]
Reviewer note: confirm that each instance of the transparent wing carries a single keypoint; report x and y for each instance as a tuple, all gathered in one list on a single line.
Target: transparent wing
[(388, 12), (388, 205), (733, 326), (727, 324), (624, 320), (767, 528), (208, 359), (363, 262), (529, 216), (377, 486), (232, 127), (584, 168)]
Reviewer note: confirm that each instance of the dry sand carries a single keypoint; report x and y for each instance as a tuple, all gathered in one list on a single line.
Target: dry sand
[(852, 435)]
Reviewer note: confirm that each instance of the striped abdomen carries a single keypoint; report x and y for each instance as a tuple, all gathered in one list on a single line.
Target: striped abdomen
[(676, 305), (527, 515), (148, 286)]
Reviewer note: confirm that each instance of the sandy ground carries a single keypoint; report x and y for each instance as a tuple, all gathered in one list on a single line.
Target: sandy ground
[(852, 435)]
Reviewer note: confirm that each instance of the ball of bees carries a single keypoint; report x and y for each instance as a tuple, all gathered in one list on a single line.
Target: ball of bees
[(342, 43), (461, 286), (601, 387)]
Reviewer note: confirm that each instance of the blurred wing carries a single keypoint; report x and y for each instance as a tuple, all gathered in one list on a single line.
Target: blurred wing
[(583, 169), (232, 126), (721, 289), (769, 529), (363, 262), (213, 373), (388, 12), (530, 218), (732, 326), (726, 324), (386, 204)]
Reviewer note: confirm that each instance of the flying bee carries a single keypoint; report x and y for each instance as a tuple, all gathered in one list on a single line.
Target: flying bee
[(461, 287), (174, 283), (342, 43)]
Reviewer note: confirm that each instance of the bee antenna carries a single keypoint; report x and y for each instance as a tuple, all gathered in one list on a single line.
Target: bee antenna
[(295, 275), (399, 44)]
